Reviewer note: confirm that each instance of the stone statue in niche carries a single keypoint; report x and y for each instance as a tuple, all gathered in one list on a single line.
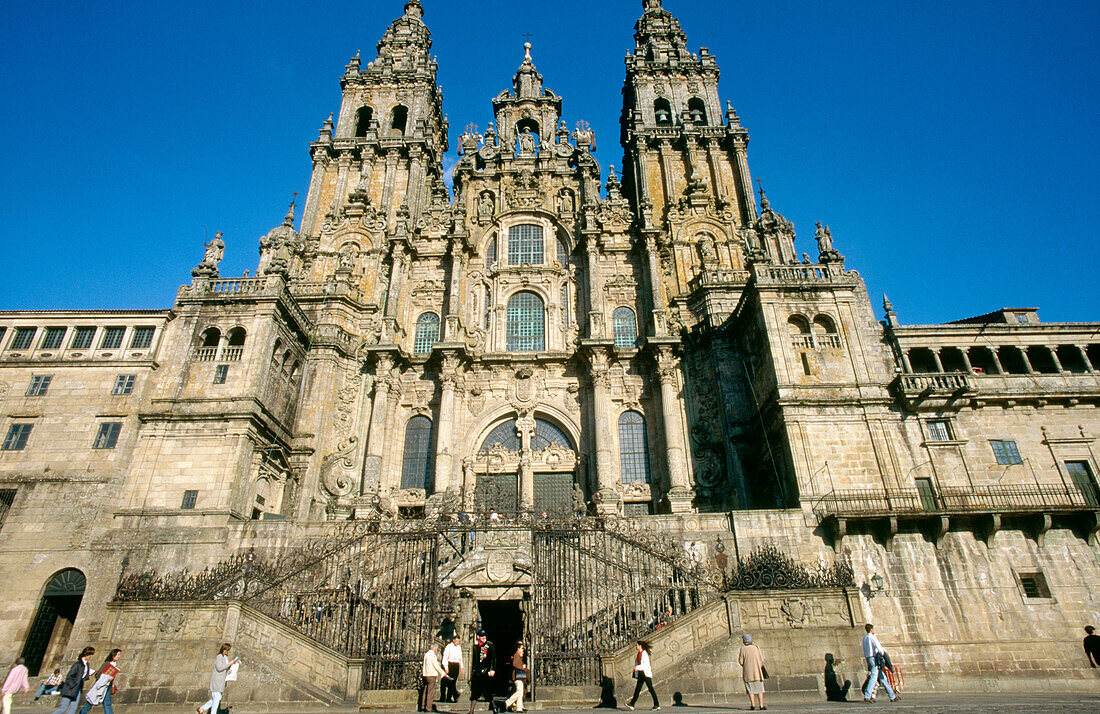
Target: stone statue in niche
[(485, 208), (565, 203), (526, 142), (346, 259), (579, 506), (708, 249)]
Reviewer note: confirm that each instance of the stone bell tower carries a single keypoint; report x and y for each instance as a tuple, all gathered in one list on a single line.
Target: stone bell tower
[(383, 155)]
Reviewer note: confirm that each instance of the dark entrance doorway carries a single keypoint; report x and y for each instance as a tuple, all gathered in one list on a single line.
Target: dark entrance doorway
[(49, 634), (502, 621)]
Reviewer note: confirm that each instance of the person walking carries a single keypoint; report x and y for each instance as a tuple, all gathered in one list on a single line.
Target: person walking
[(104, 686), (751, 660), (51, 685), (452, 662), (16, 680), (519, 678), (222, 663), (643, 672), (1092, 645), (875, 655), (73, 686), (483, 665), (431, 672)]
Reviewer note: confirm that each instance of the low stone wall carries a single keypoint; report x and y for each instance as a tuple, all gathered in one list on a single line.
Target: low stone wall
[(169, 649)]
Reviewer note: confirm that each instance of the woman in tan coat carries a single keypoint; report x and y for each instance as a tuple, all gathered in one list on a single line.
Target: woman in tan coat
[(751, 660)]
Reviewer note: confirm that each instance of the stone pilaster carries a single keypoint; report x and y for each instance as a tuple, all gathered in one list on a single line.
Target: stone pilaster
[(680, 493)]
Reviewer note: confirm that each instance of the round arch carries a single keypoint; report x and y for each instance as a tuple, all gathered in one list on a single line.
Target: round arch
[(48, 637), (477, 433)]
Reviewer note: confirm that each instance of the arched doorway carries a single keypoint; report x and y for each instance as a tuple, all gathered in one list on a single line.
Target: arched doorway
[(49, 634)]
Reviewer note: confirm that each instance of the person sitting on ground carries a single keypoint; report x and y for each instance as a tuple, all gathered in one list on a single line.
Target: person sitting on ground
[(50, 685)]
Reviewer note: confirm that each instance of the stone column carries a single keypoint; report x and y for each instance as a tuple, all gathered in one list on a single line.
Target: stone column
[(966, 360), (996, 360), (905, 360), (595, 291), (454, 293), (1054, 357), (414, 191), (607, 495), (376, 436), (1085, 358), (1027, 360), (664, 148), (525, 425), (660, 315), (309, 212), (740, 150), (444, 463), (680, 493), (715, 170), (936, 359), (344, 165)]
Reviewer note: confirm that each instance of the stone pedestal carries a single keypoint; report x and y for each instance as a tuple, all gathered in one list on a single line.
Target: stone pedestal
[(679, 500)]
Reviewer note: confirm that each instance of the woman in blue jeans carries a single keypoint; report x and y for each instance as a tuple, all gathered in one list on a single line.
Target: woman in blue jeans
[(222, 663), (73, 686), (103, 686)]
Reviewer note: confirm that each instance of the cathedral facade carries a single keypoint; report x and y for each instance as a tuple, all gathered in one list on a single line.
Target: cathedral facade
[(550, 341)]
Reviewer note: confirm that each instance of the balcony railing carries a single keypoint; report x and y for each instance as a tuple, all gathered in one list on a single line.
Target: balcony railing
[(870, 503), (237, 286), (206, 354), (935, 383), (232, 354)]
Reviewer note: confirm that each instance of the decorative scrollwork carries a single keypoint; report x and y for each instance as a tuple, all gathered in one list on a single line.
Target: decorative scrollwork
[(766, 568)]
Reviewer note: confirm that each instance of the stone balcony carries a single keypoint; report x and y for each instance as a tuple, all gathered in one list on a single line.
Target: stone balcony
[(935, 389), (1032, 508)]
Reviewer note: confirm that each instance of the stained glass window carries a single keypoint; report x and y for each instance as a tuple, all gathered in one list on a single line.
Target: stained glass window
[(503, 434), (633, 448), (565, 312), (546, 434), (525, 245), (526, 323), (416, 467), (427, 333), (626, 328), (506, 436)]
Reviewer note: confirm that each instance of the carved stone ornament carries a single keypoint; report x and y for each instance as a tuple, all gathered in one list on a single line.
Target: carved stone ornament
[(525, 191), (796, 612), (171, 622), (337, 474)]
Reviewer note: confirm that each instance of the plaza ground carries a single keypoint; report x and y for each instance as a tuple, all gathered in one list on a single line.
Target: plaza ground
[(1068, 703)]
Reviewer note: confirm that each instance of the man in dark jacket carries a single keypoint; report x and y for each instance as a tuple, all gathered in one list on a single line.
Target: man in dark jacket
[(483, 666), (73, 686), (1092, 646)]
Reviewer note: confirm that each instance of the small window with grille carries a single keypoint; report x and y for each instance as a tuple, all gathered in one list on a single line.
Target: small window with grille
[(107, 436), (39, 384), (54, 337), (124, 384), (143, 337), (1034, 585), (112, 338), (938, 430), (24, 336), (82, 338), (7, 497), (1006, 452), (634, 510), (221, 374), (16, 438), (189, 499)]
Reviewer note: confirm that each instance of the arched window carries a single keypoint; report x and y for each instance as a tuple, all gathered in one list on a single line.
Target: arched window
[(626, 328), (528, 124), (235, 349), (563, 253), (662, 110), (825, 333), (506, 436), (491, 254), (208, 345), (799, 328), (416, 467), (60, 601), (698, 111), (525, 245), (526, 323), (400, 119), (427, 333), (633, 448), (362, 120), (211, 336)]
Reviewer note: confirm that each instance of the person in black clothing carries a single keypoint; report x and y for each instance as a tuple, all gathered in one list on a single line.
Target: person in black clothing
[(1092, 646), (73, 685), (483, 664)]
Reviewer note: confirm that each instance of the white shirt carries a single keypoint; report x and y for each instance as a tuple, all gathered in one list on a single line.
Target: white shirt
[(431, 665), (452, 653), (871, 645), (643, 665)]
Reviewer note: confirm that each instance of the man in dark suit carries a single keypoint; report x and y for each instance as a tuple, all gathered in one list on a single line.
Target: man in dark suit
[(483, 665)]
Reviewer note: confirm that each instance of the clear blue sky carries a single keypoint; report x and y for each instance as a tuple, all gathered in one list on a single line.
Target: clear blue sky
[(952, 147)]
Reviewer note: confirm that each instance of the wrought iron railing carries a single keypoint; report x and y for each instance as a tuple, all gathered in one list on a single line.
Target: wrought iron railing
[(858, 502), (768, 569)]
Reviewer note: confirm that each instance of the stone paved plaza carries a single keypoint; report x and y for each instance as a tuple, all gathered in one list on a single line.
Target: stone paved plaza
[(1069, 703)]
